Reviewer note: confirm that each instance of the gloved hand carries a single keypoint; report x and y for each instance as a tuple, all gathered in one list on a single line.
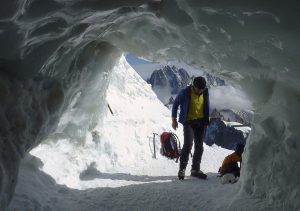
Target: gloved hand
[(174, 124)]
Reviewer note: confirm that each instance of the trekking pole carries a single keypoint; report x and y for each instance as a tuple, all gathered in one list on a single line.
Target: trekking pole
[(112, 113), (154, 144)]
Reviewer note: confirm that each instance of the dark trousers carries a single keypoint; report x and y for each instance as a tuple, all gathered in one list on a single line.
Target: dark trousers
[(232, 168), (193, 130)]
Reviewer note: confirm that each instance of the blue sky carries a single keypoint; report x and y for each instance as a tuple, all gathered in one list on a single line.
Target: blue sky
[(133, 60)]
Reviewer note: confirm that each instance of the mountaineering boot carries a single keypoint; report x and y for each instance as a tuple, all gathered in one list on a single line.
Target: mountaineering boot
[(181, 174), (199, 174)]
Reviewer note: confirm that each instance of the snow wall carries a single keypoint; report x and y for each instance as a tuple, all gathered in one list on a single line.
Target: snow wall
[(57, 53)]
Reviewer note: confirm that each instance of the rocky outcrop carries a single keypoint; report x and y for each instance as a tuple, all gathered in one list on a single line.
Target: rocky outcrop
[(171, 77), (169, 80), (224, 135), (230, 115)]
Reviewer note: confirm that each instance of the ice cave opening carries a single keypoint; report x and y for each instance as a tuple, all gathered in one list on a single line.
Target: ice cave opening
[(52, 51)]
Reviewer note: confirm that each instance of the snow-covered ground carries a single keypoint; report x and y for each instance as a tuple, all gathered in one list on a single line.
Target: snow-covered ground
[(114, 167), (40, 192)]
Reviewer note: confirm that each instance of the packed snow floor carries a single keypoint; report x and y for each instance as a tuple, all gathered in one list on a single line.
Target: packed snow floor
[(38, 191)]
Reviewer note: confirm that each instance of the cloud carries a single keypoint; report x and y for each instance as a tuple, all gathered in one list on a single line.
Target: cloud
[(228, 97)]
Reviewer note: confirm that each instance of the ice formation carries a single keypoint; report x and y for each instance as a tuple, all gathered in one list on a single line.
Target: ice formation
[(56, 54)]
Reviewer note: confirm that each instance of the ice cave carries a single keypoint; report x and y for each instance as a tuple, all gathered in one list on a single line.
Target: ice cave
[(56, 52)]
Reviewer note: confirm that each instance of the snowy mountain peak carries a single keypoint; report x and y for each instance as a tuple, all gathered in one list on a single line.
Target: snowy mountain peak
[(213, 80), (171, 77), (169, 80)]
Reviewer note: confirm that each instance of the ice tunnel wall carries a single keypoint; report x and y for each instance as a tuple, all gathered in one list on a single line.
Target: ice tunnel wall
[(56, 50)]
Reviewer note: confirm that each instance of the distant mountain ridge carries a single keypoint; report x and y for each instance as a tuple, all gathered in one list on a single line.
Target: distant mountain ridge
[(213, 80), (171, 77), (230, 115), (166, 82)]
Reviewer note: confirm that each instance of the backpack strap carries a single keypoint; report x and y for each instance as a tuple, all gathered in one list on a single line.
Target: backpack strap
[(177, 141), (178, 144)]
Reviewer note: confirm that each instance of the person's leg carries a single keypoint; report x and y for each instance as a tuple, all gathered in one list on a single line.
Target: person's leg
[(199, 132), (235, 169), (187, 145), (232, 168)]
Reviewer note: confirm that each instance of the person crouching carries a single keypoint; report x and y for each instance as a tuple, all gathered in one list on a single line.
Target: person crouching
[(230, 169)]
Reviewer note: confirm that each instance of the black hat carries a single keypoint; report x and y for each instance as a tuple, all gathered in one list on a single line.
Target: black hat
[(199, 82)]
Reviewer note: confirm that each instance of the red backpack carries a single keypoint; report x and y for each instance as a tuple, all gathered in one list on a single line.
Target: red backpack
[(170, 145)]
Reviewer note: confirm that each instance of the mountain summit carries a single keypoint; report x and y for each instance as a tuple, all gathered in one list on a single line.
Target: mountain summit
[(170, 77)]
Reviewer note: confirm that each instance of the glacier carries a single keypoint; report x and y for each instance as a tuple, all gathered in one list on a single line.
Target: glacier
[(57, 56)]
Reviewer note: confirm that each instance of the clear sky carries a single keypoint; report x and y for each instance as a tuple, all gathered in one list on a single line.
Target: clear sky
[(133, 60)]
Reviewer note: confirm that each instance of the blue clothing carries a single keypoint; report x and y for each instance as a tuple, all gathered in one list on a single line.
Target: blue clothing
[(183, 100)]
